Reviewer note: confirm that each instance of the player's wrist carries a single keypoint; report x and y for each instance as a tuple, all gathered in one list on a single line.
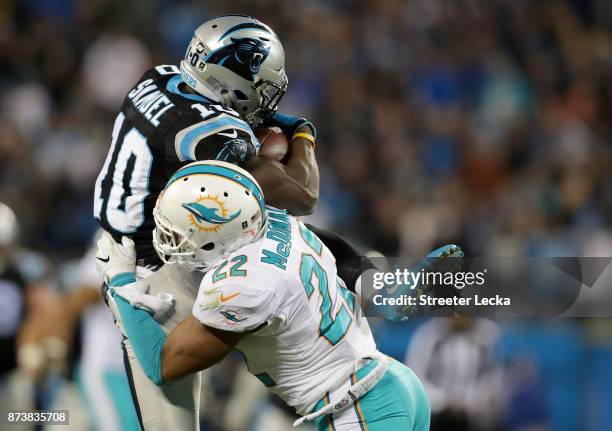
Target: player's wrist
[(121, 279), (304, 133), (290, 124), (305, 126)]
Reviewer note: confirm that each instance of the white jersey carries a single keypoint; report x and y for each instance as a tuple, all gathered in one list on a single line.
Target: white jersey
[(306, 329)]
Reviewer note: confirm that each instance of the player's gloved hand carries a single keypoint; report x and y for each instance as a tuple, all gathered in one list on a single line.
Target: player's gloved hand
[(136, 294), (116, 263), (113, 259), (439, 260), (289, 124)]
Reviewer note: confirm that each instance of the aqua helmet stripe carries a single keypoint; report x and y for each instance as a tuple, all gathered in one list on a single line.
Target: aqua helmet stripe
[(224, 172)]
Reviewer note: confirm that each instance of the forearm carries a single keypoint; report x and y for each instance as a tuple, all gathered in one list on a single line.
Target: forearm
[(294, 186), (146, 337), (162, 358), (191, 347), (302, 165)]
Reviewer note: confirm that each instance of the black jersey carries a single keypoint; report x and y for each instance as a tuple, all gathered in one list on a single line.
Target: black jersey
[(160, 128)]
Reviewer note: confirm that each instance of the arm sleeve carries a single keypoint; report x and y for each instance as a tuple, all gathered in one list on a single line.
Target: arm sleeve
[(146, 336), (235, 307), (219, 137)]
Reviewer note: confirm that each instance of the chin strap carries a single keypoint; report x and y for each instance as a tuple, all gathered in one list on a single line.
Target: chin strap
[(353, 393)]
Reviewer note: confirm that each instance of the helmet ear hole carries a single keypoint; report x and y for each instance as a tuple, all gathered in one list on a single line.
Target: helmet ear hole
[(240, 95), (208, 246)]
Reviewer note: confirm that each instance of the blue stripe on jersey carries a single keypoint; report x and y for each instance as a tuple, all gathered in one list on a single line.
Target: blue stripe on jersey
[(173, 87), (224, 172), (190, 140)]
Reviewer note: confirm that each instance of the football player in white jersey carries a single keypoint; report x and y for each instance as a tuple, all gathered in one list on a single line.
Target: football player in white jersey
[(271, 292), (230, 81)]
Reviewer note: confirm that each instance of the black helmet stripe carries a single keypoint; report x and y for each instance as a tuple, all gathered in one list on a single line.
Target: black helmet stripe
[(246, 25)]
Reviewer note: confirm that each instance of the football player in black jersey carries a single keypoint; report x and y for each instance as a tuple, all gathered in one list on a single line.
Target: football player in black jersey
[(231, 80)]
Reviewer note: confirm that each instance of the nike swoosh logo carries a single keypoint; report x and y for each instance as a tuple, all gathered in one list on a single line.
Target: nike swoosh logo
[(103, 260), (229, 135), (224, 298)]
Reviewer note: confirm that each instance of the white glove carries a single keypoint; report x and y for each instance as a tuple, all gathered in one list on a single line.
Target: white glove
[(113, 259), (136, 294)]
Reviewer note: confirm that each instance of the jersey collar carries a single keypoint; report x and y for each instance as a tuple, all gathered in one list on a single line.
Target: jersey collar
[(173, 87)]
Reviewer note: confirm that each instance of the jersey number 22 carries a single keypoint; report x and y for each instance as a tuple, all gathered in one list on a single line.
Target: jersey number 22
[(331, 328)]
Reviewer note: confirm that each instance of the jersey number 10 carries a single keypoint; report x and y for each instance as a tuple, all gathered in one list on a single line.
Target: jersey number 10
[(124, 209)]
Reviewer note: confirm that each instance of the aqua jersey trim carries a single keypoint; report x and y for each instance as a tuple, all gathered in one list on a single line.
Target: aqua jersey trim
[(266, 379)]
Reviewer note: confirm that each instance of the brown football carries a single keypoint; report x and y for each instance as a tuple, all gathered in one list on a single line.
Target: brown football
[(273, 142)]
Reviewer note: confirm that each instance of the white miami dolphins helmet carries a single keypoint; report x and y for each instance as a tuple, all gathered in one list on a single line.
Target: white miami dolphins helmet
[(208, 209), (238, 61)]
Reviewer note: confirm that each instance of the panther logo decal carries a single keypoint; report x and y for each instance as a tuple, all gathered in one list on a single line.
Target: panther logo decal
[(244, 56)]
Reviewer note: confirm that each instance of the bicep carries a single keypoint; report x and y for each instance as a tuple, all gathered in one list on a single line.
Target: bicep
[(222, 137), (192, 347), (224, 147)]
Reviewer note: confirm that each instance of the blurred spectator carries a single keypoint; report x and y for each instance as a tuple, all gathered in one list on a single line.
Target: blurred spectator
[(13, 394), (457, 363), (111, 66)]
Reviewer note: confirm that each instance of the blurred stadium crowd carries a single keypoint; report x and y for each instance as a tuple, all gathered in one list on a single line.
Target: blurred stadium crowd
[(479, 122)]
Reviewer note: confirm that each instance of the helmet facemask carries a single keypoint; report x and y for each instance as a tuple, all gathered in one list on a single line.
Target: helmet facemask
[(171, 245), (269, 94)]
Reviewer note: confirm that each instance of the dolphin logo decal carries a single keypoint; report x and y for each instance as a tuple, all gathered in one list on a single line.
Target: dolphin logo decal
[(204, 214), (233, 316)]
